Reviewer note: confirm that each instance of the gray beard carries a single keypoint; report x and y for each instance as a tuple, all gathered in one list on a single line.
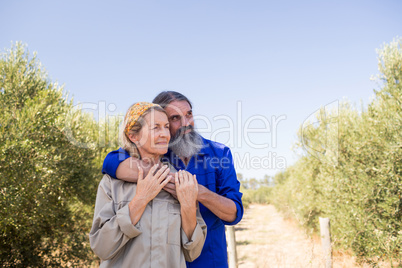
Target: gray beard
[(186, 145)]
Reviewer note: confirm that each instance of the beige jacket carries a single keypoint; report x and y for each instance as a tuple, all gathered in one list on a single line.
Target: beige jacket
[(157, 240)]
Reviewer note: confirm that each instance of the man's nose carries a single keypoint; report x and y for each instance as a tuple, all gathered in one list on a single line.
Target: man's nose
[(185, 121)]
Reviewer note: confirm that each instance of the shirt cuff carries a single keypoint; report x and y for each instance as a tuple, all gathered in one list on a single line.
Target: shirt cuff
[(236, 198), (195, 238), (125, 224)]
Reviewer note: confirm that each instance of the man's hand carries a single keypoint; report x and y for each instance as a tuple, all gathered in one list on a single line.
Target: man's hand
[(171, 186)]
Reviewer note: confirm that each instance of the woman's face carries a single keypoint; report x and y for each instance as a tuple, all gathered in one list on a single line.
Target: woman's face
[(154, 136)]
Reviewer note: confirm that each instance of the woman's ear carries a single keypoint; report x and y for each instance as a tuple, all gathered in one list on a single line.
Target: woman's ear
[(133, 138)]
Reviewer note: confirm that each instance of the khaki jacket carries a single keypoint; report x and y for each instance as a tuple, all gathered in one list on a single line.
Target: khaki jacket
[(157, 240)]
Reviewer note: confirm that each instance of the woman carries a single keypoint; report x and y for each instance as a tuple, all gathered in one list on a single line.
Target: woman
[(141, 225)]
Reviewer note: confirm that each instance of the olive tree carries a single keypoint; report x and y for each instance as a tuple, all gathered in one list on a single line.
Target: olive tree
[(47, 183)]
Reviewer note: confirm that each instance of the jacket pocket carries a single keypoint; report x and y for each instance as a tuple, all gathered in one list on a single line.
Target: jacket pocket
[(174, 225)]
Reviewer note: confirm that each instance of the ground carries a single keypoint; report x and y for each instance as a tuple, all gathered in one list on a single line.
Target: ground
[(265, 239)]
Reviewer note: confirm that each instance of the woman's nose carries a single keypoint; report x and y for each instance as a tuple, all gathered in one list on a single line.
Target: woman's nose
[(164, 133)]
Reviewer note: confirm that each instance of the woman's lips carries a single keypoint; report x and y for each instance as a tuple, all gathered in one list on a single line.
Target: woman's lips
[(162, 143)]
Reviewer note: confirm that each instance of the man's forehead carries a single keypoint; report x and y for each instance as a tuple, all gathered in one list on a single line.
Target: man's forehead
[(178, 107)]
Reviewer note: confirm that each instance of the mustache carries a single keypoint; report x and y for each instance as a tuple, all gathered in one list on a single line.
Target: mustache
[(184, 129)]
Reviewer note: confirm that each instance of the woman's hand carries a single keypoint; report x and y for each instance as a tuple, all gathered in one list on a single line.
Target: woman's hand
[(147, 189), (187, 191), (151, 185)]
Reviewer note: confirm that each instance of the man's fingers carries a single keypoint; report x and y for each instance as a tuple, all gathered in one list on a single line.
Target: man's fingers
[(166, 181), (170, 191), (171, 185), (172, 175), (167, 189), (169, 177)]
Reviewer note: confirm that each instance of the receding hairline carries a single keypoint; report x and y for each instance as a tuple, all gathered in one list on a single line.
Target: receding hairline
[(166, 97)]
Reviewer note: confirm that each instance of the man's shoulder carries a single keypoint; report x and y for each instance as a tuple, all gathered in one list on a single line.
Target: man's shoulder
[(217, 148)]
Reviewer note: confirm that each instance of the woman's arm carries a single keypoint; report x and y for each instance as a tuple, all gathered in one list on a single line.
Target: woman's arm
[(194, 229), (112, 230), (187, 191), (192, 246)]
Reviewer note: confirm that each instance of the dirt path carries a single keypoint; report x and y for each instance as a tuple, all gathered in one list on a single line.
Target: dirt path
[(265, 239)]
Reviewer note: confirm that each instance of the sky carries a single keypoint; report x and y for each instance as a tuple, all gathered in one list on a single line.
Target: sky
[(254, 70)]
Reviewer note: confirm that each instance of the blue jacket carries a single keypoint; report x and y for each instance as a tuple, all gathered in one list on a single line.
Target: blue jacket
[(214, 169)]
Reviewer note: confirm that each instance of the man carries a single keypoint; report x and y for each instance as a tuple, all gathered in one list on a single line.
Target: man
[(211, 162)]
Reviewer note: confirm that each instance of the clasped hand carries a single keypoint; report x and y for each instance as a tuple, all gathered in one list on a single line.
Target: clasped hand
[(186, 188), (150, 186)]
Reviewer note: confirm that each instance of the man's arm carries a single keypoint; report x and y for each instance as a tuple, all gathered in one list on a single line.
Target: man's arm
[(128, 169), (120, 165), (226, 202), (224, 208)]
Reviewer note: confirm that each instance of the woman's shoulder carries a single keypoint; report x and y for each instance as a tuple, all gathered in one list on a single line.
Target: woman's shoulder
[(116, 189), (109, 182)]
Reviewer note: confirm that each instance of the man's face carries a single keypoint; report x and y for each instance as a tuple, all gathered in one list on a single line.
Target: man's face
[(180, 115)]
